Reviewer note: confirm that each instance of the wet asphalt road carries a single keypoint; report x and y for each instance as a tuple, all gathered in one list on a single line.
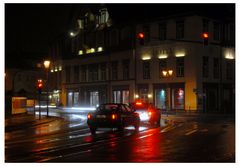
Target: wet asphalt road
[(189, 139)]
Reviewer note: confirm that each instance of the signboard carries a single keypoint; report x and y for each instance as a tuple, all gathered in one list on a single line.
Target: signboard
[(19, 105)]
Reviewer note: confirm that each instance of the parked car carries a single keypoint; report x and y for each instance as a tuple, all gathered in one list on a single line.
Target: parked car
[(148, 113), (112, 115)]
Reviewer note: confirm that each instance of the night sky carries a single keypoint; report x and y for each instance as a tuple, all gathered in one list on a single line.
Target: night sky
[(30, 28)]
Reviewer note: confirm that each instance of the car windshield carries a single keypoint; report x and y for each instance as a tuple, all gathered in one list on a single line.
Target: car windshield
[(107, 107)]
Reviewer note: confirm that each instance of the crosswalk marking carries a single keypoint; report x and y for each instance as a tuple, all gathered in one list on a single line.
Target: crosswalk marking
[(190, 132)]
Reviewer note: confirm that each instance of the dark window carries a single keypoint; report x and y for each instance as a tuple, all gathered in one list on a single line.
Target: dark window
[(162, 31), (146, 31), (19, 77), (216, 68), (93, 72), (146, 69), (232, 33), (114, 38), (125, 65), (103, 71), (229, 69), (162, 66), (76, 73), (114, 70), (205, 25), (84, 73), (60, 78), (68, 73), (216, 31), (99, 38), (205, 66), (179, 29), (180, 67)]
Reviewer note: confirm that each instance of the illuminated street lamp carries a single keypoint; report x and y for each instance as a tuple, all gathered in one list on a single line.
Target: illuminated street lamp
[(47, 65), (168, 73)]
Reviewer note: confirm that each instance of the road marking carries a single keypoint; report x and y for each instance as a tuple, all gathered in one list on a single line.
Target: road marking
[(167, 129), (190, 132), (145, 136)]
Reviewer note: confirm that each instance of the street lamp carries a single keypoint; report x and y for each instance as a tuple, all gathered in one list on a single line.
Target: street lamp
[(47, 65), (168, 73)]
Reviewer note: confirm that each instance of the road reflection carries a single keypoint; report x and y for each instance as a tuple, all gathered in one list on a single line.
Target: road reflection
[(147, 147)]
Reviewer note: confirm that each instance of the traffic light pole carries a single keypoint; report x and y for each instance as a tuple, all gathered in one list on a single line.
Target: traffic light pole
[(39, 104)]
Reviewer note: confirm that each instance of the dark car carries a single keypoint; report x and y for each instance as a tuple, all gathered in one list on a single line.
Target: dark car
[(113, 115), (148, 113)]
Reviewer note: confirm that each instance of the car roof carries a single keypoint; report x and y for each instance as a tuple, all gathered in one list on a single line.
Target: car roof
[(113, 104)]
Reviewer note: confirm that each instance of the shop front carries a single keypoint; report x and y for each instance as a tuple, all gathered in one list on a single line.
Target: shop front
[(121, 94), (169, 97)]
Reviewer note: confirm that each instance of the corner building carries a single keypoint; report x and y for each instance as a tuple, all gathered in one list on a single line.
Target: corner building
[(107, 63)]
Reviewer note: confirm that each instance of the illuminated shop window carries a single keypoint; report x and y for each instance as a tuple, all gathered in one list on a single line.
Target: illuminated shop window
[(75, 98), (160, 98), (70, 99), (94, 98), (125, 96), (178, 98)]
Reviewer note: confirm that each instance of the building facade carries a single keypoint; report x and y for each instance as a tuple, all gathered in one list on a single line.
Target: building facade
[(107, 63)]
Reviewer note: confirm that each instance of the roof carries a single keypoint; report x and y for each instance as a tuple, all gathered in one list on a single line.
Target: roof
[(141, 12)]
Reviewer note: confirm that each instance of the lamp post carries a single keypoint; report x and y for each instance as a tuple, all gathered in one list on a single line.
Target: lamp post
[(168, 73), (47, 65)]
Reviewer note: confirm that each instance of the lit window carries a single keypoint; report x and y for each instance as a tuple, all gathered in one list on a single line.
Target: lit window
[(100, 49), (88, 51), (229, 53), (80, 52), (92, 50)]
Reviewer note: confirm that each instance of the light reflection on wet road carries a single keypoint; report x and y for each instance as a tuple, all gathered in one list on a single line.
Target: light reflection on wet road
[(71, 141)]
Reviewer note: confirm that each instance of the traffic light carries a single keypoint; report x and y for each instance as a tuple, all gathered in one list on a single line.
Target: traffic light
[(205, 38), (39, 85), (141, 38)]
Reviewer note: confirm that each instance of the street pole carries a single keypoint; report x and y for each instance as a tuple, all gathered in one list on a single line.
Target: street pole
[(34, 104), (47, 92), (47, 65), (39, 104), (167, 103)]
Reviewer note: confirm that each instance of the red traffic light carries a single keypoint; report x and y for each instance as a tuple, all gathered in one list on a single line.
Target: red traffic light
[(141, 35), (205, 35), (39, 85)]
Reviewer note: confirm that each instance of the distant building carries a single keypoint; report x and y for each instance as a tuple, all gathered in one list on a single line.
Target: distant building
[(104, 61)]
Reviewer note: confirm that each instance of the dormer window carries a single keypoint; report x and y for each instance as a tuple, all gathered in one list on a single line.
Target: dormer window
[(104, 16), (80, 24)]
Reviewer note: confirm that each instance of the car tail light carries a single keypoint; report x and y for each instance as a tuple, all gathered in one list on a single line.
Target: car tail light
[(114, 116), (89, 116), (138, 103)]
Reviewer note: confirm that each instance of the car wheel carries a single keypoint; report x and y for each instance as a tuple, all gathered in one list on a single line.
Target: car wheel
[(136, 127), (93, 130)]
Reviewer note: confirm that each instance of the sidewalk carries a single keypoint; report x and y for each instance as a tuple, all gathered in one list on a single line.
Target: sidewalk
[(26, 120)]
